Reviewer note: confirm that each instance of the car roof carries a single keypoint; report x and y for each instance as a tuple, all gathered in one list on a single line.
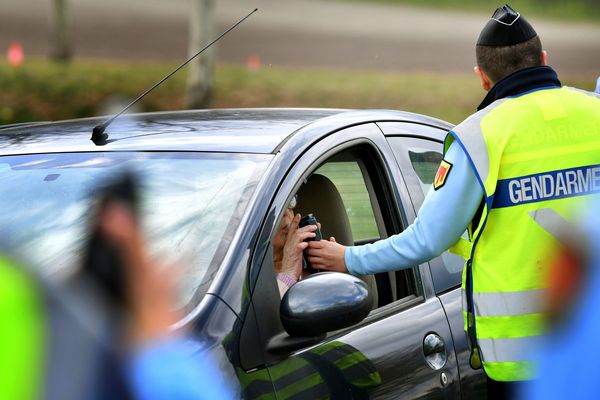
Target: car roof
[(220, 130)]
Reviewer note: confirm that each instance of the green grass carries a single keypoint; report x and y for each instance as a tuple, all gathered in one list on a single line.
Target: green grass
[(573, 10), (41, 90), (348, 179)]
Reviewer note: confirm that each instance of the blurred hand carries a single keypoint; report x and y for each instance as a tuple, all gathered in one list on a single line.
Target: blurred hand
[(327, 255), (294, 246), (150, 291)]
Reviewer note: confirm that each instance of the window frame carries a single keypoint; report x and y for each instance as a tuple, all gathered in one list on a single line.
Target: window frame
[(443, 280)]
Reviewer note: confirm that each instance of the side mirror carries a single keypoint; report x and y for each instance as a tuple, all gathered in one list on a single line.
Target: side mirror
[(324, 302)]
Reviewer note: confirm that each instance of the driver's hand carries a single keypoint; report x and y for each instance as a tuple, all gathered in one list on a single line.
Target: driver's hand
[(294, 246)]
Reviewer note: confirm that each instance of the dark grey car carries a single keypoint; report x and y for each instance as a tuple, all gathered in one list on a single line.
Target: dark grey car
[(215, 185)]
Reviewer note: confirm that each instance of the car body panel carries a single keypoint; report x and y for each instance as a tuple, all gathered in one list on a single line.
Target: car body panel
[(247, 131), (394, 344), (470, 379), (228, 130)]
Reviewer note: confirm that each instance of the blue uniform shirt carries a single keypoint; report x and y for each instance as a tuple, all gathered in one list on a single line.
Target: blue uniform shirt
[(443, 218), (169, 369)]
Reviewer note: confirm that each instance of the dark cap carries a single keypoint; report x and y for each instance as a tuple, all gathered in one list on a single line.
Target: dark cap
[(506, 27)]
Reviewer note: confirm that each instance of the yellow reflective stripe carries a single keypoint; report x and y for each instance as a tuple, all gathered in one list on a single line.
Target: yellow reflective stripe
[(553, 223), (490, 304), (509, 372), (510, 327), (562, 151), (509, 303), (508, 349)]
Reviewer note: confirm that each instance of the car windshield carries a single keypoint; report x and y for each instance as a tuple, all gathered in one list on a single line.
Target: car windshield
[(190, 205)]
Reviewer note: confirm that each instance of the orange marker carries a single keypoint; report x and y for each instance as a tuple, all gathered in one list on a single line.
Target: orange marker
[(253, 62), (15, 54)]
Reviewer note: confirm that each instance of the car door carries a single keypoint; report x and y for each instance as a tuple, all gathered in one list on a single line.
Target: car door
[(403, 349), (418, 151)]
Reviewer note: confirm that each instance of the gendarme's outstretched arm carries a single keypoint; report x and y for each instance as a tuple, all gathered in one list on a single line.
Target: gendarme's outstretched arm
[(441, 221)]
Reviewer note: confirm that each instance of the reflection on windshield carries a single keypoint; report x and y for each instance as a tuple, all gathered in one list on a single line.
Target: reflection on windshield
[(188, 201)]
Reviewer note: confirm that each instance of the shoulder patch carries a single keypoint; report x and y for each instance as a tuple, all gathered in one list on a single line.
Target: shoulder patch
[(441, 175)]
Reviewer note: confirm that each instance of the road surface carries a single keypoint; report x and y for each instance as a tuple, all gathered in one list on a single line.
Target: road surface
[(312, 33)]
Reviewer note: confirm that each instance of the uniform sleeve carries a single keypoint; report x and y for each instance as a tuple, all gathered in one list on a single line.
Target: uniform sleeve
[(167, 369), (443, 218)]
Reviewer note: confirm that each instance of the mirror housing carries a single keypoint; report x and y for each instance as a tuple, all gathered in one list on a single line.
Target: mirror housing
[(324, 302)]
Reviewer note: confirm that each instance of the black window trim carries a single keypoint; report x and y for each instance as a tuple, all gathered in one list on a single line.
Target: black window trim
[(456, 285)]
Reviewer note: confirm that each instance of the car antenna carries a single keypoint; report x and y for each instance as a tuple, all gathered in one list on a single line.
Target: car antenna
[(100, 138)]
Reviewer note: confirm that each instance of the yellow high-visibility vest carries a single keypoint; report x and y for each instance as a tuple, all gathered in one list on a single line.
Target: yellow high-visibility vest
[(537, 158)]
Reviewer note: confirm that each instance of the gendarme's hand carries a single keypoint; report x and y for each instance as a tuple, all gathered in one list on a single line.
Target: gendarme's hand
[(294, 245), (327, 255)]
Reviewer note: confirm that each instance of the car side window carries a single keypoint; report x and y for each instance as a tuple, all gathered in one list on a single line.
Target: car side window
[(419, 160), (348, 179), (345, 194)]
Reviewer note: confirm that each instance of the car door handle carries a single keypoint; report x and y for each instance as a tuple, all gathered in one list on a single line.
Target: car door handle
[(433, 344), (434, 350)]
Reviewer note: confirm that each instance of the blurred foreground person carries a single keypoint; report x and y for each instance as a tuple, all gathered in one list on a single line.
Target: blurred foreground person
[(22, 334), (99, 336), (574, 310), (511, 172), (160, 364)]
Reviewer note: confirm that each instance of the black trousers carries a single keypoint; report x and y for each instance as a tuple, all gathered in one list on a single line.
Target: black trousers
[(502, 390)]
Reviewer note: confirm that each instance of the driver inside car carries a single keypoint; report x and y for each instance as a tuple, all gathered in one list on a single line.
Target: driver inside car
[(288, 245)]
